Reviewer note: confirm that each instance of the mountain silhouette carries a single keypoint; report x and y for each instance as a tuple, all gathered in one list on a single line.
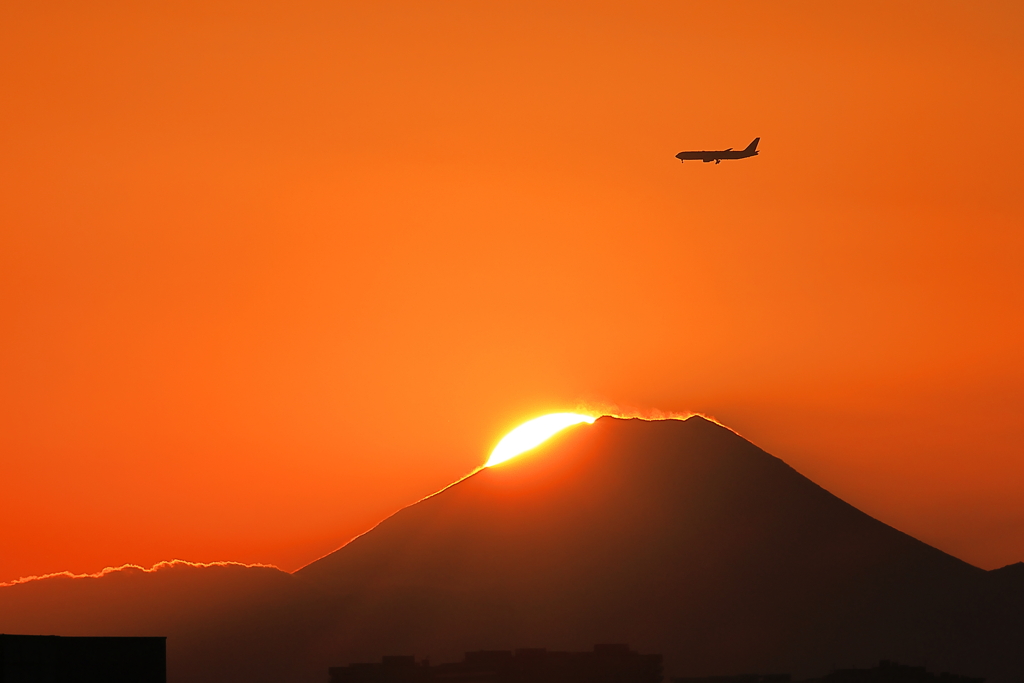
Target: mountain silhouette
[(677, 537), (222, 622)]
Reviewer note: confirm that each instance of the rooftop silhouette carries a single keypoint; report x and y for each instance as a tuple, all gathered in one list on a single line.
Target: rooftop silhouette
[(56, 659)]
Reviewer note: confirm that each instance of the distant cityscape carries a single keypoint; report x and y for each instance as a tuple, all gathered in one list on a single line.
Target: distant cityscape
[(54, 659), (885, 672), (606, 663)]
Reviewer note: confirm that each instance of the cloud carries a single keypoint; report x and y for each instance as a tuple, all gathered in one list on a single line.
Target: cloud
[(133, 567)]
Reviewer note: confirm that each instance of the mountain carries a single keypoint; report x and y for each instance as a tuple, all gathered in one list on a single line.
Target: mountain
[(677, 537), (223, 622)]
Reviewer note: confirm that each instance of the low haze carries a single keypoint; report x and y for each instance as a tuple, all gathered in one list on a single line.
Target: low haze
[(271, 271)]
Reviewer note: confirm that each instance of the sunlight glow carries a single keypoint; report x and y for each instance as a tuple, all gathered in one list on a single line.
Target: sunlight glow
[(533, 433)]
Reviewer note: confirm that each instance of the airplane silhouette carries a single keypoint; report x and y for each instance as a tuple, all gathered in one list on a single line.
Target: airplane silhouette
[(717, 156)]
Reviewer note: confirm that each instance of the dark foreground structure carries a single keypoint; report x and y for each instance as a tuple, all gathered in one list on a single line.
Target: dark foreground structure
[(606, 664), (60, 659)]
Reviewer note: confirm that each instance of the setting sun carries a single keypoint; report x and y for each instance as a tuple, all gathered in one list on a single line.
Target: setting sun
[(533, 433)]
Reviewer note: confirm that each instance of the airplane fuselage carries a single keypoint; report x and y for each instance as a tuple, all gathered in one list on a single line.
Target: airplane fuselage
[(708, 157), (718, 155)]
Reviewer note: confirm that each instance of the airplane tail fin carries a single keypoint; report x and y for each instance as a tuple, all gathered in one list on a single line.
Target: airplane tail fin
[(752, 147)]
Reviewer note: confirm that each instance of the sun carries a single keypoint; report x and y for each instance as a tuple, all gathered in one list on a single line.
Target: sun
[(533, 433)]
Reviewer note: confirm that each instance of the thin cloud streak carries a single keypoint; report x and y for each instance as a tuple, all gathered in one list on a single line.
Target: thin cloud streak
[(167, 564)]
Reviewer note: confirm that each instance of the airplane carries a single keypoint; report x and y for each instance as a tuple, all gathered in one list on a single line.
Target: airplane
[(717, 156)]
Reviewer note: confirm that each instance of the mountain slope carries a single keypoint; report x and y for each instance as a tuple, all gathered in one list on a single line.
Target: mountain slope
[(676, 536)]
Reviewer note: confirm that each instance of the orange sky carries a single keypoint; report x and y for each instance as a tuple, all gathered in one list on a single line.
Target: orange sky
[(269, 271)]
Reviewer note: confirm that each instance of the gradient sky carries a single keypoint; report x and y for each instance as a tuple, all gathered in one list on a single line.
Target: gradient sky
[(271, 270)]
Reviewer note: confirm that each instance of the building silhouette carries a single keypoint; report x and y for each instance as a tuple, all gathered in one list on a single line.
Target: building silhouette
[(605, 664), (893, 672), (742, 678), (886, 672), (61, 659)]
